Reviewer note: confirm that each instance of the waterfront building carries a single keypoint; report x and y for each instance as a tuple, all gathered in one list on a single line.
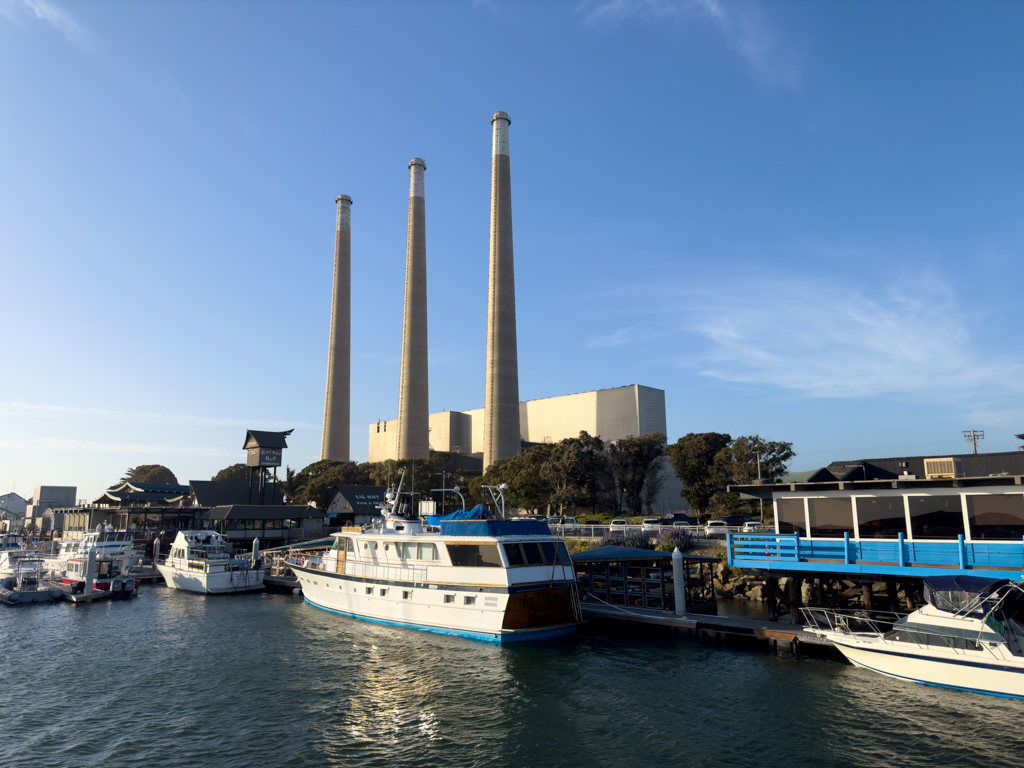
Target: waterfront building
[(355, 504), (241, 523)]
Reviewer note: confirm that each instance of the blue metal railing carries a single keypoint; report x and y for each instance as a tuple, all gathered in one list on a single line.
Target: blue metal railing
[(893, 557)]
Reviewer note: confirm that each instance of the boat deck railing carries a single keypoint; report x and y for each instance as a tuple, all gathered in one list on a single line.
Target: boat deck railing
[(368, 570)]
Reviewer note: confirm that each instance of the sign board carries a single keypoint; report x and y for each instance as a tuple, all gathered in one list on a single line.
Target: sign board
[(263, 457)]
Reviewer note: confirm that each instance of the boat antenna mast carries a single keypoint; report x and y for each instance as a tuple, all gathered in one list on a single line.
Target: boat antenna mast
[(498, 498)]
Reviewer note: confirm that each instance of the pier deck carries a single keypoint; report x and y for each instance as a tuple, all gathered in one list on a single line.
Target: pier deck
[(772, 631)]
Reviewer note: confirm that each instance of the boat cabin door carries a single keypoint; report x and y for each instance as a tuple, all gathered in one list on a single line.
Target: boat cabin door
[(339, 548)]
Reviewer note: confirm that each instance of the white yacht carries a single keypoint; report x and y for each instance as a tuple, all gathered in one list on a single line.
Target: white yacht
[(105, 543), (200, 561), (12, 551), (480, 577), (964, 638)]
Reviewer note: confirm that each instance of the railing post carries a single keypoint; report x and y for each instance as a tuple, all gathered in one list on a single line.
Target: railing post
[(846, 547), (728, 549), (902, 554), (963, 554), (796, 542)]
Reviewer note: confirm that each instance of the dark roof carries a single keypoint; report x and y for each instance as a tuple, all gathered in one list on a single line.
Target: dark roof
[(260, 512), (151, 488), (211, 493), (974, 465), (613, 553), (254, 438), (364, 499)]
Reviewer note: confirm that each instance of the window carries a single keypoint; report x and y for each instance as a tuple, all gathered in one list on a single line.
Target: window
[(531, 550), (1000, 516), (449, 598), (383, 592), (407, 594), (563, 554), (350, 546), (336, 546), (369, 590), (881, 518), (936, 517), (469, 600), (830, 518), (790, 514), (474, 555), (514, 554)]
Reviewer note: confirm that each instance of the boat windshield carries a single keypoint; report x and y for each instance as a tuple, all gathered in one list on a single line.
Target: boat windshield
[(973, 596)]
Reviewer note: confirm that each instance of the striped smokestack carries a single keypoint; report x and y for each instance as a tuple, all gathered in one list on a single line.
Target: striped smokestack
[(501, 400), (413, 414), (334, 444)]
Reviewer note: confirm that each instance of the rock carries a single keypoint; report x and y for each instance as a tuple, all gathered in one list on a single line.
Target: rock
[(782, 583), (755, 594), (806, 593), (723, 594)]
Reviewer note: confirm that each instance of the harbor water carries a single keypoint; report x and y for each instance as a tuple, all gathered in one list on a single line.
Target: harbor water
[(247, 681)]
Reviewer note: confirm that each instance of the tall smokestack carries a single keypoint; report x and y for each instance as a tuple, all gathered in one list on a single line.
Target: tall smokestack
[(501, 400), (413, 414), (334, 444)]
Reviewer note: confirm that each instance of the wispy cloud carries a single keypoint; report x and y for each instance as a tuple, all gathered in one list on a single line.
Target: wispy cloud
[(19, 10), (134, 449), (740, 22), (826, 340), (66, 411)]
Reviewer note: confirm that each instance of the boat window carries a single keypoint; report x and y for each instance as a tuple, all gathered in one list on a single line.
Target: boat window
[(427, 552), (350, 546), (563, 554), (830, 518), (936, 517), (336, 546), (1000, 516), (474, 555), (881, 518), (449, 598), (548, 548), (514, 555), (533, 554), (469, 600), (791, 516)]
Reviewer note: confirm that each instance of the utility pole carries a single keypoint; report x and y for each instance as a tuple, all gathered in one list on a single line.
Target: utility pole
[(972, 436)]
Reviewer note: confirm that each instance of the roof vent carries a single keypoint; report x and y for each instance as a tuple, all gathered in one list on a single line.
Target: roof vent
[(943, 469)]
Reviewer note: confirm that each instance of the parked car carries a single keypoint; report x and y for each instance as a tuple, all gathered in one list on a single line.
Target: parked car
[(752, 526), (619, 526), (716, 528), (652, 525), (737, 520), (592, 521), (682, 524), (564, 523), (680, 519)]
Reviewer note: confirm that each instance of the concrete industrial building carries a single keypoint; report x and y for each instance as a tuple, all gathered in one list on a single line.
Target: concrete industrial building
[(502, 409), (413, 436), (611, 414), (335, 442)]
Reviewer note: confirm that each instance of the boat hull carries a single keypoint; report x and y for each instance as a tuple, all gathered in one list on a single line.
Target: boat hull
[(216, 583), (492, 614), (975, 671)]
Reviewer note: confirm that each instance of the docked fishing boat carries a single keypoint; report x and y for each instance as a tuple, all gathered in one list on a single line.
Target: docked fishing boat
[(12, 551), (106, 572), (200, 561), (965, 637), (27, 584), (105, 542), (479, 576)]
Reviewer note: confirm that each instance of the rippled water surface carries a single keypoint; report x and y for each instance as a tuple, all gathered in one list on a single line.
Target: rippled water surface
[(180, 680)]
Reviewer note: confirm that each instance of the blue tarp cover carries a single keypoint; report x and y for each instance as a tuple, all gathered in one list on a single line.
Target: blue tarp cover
[(494, 528), (479, 512)]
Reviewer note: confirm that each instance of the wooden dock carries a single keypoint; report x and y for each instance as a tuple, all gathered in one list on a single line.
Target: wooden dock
[(708, 626)]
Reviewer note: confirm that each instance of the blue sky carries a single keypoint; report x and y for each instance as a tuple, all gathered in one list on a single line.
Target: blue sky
[(798, 219)]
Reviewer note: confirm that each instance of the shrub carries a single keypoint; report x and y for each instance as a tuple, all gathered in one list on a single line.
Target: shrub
[(669, 539), (631, 539)]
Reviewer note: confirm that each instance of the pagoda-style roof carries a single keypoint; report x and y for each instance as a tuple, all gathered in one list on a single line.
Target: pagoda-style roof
[(255, 438)]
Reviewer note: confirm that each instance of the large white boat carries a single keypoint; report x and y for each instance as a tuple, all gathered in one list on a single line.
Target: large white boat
[(105, 542), (479, 577), (964, 638), (12, 552), (200, 561)]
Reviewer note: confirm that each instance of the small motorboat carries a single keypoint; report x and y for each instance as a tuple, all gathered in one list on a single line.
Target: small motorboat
[(966, 637), (27, 584)]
